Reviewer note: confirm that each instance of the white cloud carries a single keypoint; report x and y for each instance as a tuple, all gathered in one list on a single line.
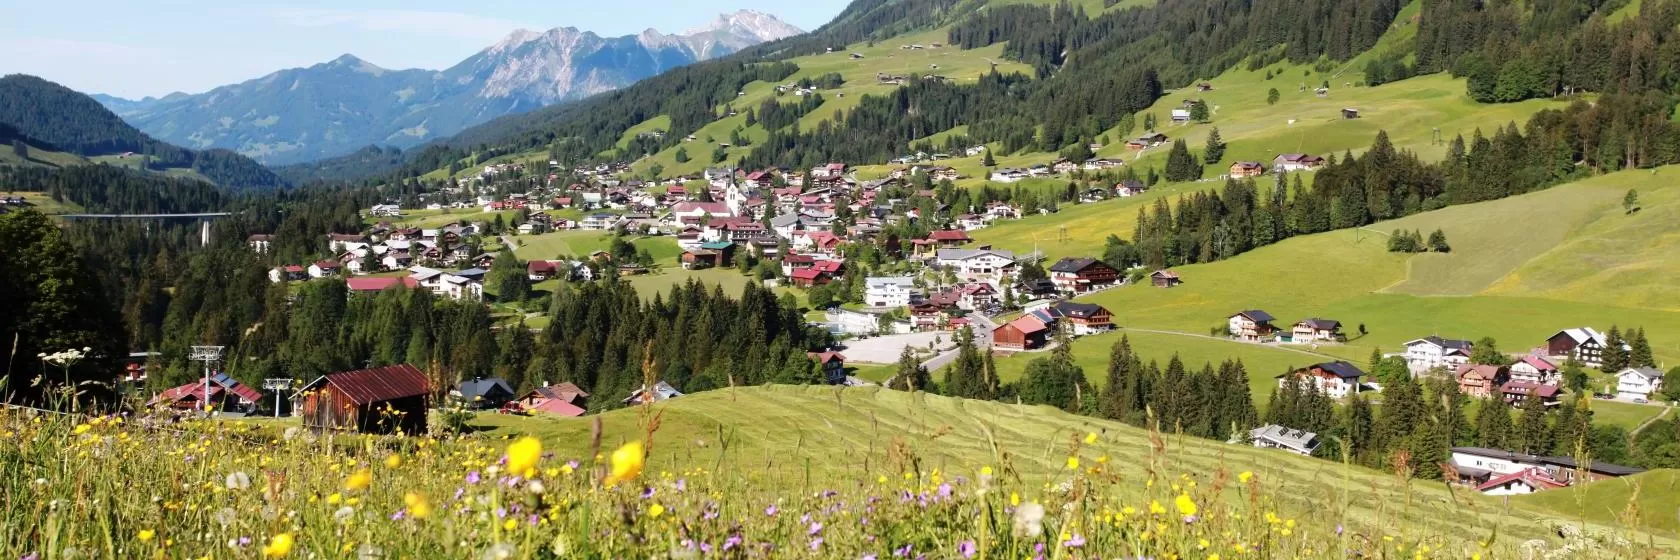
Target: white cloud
[(440, 24)]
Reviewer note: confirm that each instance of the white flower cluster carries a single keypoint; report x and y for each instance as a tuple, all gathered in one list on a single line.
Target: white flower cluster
[(66, 357)]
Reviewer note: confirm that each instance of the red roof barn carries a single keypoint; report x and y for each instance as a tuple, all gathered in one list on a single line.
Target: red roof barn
[(390, 399)]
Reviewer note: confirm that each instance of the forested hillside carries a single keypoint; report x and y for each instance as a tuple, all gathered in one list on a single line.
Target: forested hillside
[(54, 115)]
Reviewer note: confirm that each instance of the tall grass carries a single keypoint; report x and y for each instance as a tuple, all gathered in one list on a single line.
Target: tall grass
[(115, 487)]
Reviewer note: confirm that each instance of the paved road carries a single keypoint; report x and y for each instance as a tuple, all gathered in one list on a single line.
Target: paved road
[(982, 338)]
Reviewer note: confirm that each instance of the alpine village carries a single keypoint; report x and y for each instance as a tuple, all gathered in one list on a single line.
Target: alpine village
[(1064, 279)]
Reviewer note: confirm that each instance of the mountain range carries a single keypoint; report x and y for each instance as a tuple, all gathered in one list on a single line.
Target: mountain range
[(333, 108)]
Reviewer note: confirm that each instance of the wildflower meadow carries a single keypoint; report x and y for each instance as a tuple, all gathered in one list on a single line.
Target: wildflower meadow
[(637, 486)]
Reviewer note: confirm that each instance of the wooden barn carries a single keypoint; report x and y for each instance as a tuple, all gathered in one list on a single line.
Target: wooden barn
[(381, 400)]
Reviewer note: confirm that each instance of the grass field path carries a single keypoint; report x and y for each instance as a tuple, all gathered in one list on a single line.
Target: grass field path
[(1648, 422)]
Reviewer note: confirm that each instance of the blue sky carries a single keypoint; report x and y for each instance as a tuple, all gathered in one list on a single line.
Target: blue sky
[(135, 48)]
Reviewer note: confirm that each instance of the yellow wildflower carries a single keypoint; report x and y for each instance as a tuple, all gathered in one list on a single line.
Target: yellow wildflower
[(627, 463), (146, 535), (1245, 476), (1091, 438), (655, 511), (1185, 505), (393, 461), (522, 456), (1213, 557), (1155, 507), (418, 506), (1015, 499), (82, 429), (335, 498), (359, 480), (278, 546), (510, 524), (985, 471), (1073, 463)]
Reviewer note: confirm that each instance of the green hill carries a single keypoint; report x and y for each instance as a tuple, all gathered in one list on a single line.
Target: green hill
[(53, 117), (805, 434), (1653, 496)]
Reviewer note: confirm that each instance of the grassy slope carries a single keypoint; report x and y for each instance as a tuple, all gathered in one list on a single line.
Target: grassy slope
[(44, 203), (1350, 276), (799, 434), (1606, 501)]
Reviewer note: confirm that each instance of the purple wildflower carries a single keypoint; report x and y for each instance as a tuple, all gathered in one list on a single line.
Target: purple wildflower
[(967, 548), (647, 492), (771, 511), (1075, 542), (682, 485), (34, 556), (816, 543), (870, 556), (501, 512), (816, 527), (945, 490), (472, 477), (399, 515), (902, 552), (732, 542)]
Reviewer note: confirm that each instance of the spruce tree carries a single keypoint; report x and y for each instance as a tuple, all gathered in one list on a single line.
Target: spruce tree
[(1215, 150), (1615, 355), (964, 377), (1640, 354), (987, 160), (1574, 375), (1357, 427), (1438, 242), (1114, 405), (1181, 165), (1534, 435), (1493, 425)]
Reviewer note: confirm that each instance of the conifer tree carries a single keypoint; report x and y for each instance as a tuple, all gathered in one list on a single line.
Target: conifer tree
[(1215, 150), (1574, 375), (1615, 355), (1181, 166), (1493, 425), (1114, 402), (1534, 435), (1640, 354), (964, 377), (1357, 427)]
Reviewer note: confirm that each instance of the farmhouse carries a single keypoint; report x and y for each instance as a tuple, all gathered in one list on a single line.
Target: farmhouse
[(1296, 162), (481, 393), (259, 242), (1515, 392), (1079, 275), (1164, 279), (1273, 436), (565, 399), (1079, 318), (1584, 344), (973, 264), (1315, 329), (1243, 169), (1146, 141), (1480, 381), (832, 364), (1251, 325), (1480, 466), (390, 399), (1432, 352), (1335, 379), (323, 269), (225, 394), (1638, 383)]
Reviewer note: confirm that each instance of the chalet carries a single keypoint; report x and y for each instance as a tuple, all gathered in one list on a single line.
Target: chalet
[(599, 221), (658, 392), (1024, 333), (894, 291), (1007, 175), (1433, 352), (926, 316), (1481, 466), (1146, 141), (481, 393), (1315, 329), (1041, 288), (976, 296), (538, 271), (973, 264), (1350, 113), (1079, 275), (697, 258), (1063, 166), (1638, 383), (1164, 279), (389, 399), (1479, 380), (224, 394), (945, 238), (1180, 116), (832, 364), (1515, 392), (385, 210), (1251, 325), (809, 277), (1129, 188), (1243, 169), (1296, 162), (1079, 318), (701, 209), (259, 242), (1204, 86), (336, 242), (1536, 370), (1100, 164), (943, 173), (1335, 379), (565, 399), (1039, 170), (323, 269), (1273, 436), (453, 286), (1584, 344)]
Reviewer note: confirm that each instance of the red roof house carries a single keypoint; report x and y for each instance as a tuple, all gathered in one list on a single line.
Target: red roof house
[(380, 400)]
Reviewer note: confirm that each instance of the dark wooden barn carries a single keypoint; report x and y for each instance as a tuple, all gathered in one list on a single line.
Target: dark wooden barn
[(381, 400)]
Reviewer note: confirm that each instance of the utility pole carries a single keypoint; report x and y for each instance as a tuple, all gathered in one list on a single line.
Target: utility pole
[(209, 355), (277, 385)]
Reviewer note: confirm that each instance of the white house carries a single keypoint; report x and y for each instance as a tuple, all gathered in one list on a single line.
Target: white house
[(698, 210), (385, 210), (1335, 379), (1536, 370), (1273, 436), (322, 269), (785, 225), (448, 285), (846, 321), (888, 291), (1638, 383), (976, 264), (1432, 352), (1492, 470)]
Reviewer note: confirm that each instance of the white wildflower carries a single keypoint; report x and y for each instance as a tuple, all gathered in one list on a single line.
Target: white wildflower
[(1029, 520), (238, 480)]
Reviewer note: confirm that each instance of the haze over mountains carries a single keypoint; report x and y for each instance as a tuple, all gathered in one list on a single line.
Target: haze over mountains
[(332, 108)]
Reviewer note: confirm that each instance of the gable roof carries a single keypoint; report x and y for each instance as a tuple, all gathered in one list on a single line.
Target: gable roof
[(1322, 324), (1646, 372), (1257, 315), (1527, 387), (1445, 343), (965, 254), (378, 284), (1078, 310), (558, 407), (1299, 440), (368, 386), (1583, 335), (1539, 363), (1341, 369), (1535, 480), (1481, 370), (1028, 324), (1074, 264), (1567, 462), (949, 235), (826, 357), (484, 387)]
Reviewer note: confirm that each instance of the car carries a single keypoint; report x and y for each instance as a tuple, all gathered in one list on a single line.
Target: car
[(1639, 400), (1604, 396)]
